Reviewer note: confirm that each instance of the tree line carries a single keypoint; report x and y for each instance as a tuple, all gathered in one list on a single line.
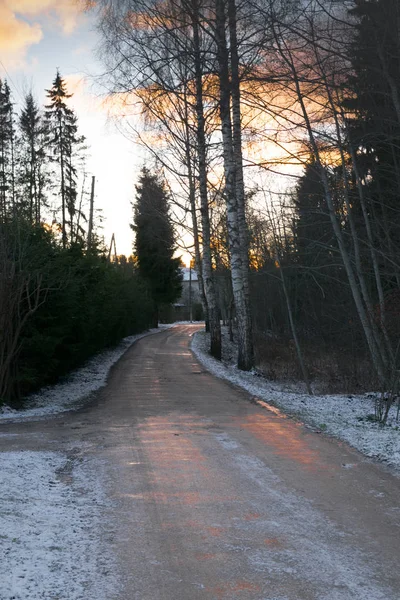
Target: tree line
[(277, 124), (41, 155), (61, 297)]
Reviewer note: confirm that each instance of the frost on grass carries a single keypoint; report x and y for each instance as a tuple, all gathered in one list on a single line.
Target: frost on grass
[(53, 533), (345, 417), (71, 392)]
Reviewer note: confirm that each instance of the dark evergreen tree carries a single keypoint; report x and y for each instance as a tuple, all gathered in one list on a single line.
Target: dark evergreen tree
[(66, 145), (320, 295), (7, 185), (155, 241), (312, 227), (32, 169), (374, 130)]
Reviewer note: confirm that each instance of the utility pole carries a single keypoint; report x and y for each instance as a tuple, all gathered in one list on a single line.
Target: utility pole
[(112, 243), (190, 292), (90, 229), (80, 207)]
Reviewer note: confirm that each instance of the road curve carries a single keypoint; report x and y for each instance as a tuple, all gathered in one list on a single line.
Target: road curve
[(214, 497)]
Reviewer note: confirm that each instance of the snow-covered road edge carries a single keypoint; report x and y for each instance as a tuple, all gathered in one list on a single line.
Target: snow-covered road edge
[(345, 417), (56, 541), (71, 393)]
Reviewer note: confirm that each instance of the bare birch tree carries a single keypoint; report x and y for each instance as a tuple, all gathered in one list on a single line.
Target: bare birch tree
[(160, 52)]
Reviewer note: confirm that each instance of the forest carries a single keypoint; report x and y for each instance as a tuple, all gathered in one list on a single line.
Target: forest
[(276, 124)]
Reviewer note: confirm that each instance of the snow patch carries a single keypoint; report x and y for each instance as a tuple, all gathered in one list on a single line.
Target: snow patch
[(52, 529)]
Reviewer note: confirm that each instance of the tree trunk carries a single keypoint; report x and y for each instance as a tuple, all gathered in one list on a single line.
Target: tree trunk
[(155, 317), (62, 174), (209, 286), (376, 332), (238, 158), (377, 361), (245, 342), (193, 210)]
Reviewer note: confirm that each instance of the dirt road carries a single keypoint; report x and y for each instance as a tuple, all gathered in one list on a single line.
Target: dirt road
[(214, 497)]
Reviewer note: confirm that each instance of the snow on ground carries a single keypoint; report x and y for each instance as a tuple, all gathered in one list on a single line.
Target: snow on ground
[(53, 531), (346, 417), (75, 388)]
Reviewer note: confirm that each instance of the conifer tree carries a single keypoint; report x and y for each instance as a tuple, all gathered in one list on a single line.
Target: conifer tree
[(312, 228), (374, 131), (155, 241), (32, 176), (7, 188), (66, 145)]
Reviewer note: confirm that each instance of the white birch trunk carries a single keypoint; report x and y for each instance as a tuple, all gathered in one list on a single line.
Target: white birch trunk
[(245, 342), (238, 158)]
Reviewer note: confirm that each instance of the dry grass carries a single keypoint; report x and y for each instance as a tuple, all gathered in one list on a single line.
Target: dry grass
[(331, 370)]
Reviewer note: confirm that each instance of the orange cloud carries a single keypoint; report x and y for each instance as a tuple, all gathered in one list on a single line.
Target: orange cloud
[(85, 101), (18, 33)]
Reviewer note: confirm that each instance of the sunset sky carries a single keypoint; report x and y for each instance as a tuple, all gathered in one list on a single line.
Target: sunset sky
[(36, 38)]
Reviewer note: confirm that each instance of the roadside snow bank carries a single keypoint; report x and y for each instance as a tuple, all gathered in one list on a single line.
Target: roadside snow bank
[(53, 529), (345, 417), (71, 392)]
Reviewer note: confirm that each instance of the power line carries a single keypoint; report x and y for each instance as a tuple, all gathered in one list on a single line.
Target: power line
[(9, 78)]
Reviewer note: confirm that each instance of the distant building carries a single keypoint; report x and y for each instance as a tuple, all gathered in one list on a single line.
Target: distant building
[(190, 300)]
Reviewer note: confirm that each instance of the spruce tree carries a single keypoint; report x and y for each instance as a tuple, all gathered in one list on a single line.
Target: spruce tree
[(374, 129), (155, 241), (32, 174), (312, 227), (7, 189), (320, 298), (66, 145)]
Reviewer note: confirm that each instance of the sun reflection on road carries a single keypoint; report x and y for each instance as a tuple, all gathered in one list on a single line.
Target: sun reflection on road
[(285, 437)]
